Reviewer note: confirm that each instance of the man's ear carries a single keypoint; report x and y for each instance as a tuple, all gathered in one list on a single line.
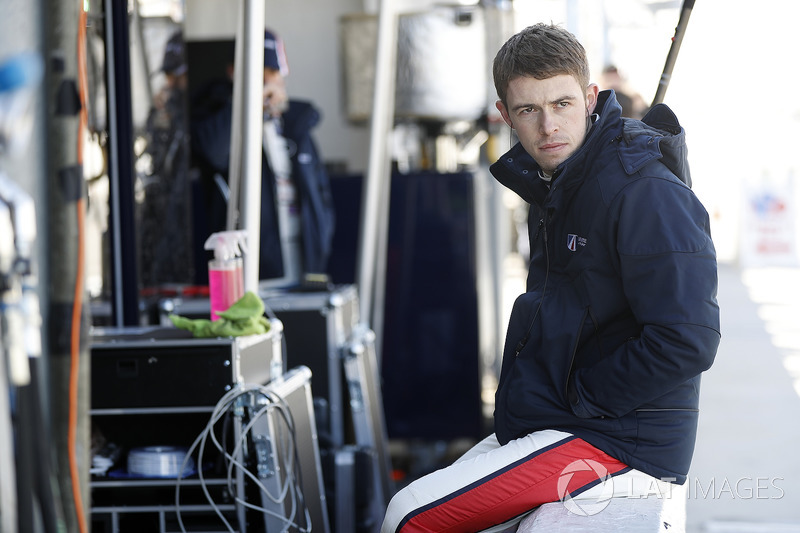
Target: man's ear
[(504, 113), (591, 97)]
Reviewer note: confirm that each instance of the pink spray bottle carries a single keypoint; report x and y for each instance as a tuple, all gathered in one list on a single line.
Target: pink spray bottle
[(225, 271)]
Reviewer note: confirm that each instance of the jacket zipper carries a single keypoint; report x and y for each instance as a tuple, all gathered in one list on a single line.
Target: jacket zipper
[(575, 348), (654, 410), (538, 229), (543, 229)]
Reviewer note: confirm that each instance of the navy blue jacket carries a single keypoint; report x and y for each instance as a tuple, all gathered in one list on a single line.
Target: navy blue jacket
[(620, 316), (211, 133)]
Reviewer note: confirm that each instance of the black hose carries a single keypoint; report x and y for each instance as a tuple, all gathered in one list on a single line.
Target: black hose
[(24, 459), (672, 56), (35, 479), (46, 481)]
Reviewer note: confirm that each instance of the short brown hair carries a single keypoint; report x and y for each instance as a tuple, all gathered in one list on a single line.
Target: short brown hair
[(540, 51)]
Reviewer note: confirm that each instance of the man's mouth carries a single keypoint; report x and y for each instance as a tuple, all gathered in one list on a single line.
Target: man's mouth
[(551, 147)]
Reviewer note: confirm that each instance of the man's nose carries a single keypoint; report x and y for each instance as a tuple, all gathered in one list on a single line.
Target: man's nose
[(547, 123)]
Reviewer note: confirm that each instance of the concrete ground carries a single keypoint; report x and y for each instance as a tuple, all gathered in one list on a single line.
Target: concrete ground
[(745, 476)]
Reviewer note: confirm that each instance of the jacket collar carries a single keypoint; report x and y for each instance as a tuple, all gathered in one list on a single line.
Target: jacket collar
[(518, 171)]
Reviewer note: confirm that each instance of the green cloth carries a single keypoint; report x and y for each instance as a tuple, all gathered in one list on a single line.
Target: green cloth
[(244, 317)]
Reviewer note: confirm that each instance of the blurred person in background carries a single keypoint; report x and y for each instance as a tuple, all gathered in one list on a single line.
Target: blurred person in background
[(164, 214), (633, 105), (297, 218)]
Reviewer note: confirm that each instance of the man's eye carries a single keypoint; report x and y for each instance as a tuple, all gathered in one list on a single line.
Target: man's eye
[(563, 104)]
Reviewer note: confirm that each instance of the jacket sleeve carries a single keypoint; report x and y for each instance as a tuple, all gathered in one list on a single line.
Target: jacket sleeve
[(668, 269), (211, 137)]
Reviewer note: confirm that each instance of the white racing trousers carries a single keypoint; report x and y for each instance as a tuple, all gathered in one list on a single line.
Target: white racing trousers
[(492, 487)]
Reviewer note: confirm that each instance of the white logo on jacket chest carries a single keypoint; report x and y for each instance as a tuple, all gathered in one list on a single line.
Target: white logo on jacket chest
[(573, 241)]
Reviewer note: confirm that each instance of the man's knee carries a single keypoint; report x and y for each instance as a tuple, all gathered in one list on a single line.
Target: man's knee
[(398, 507)]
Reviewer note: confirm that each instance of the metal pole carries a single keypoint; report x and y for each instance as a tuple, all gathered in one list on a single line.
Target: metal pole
[(234, 157), (674, 48), (66, 313), (137, 23), (246, 150), (374, 204), (125, 282), (113, 176)]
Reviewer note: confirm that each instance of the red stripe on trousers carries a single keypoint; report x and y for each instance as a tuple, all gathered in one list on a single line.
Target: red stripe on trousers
[(513, 492)]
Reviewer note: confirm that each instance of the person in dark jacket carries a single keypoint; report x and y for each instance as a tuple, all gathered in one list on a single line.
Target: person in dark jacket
[(599, 385), (297, 216), (163, 214)]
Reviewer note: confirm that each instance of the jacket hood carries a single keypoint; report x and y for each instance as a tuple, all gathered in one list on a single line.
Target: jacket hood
[(659, 136)]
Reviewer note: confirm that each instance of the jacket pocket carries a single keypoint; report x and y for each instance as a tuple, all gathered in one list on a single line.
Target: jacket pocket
[(571, 395), (667, 433), (624, 427)]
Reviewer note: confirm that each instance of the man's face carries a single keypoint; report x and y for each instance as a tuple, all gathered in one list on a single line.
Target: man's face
[(276, 100), (550, 116)]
